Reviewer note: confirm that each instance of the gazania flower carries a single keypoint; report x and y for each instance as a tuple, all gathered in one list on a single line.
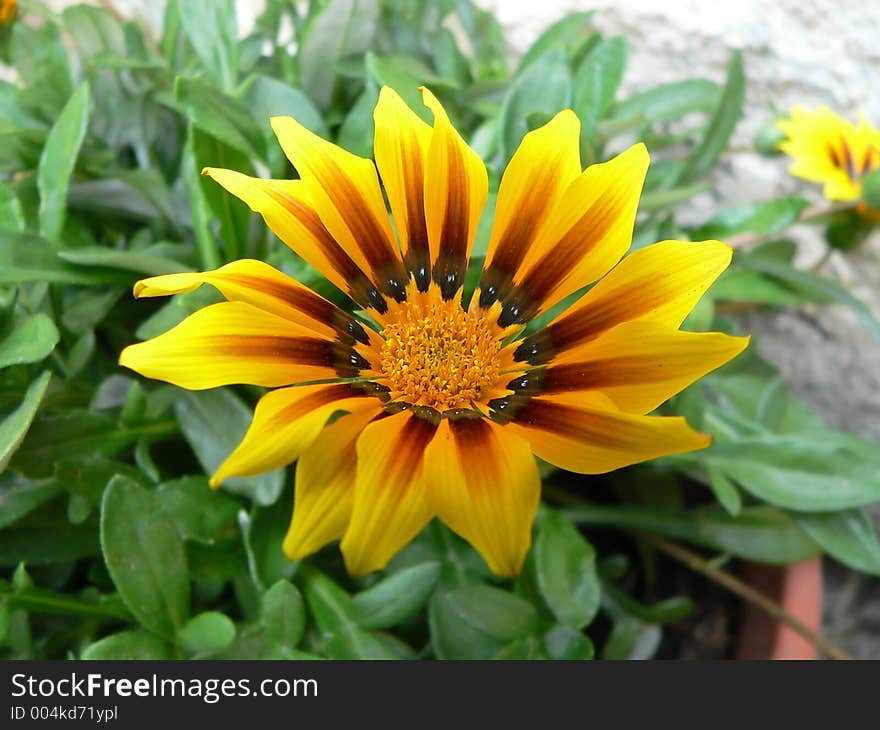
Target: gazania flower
[(831, 150), (444, 402), (8, 11)]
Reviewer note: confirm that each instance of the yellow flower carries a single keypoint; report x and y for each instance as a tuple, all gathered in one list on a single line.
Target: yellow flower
[(8, 11), (831, 150), (444, 406)]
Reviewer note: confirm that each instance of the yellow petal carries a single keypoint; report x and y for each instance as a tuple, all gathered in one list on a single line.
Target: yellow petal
[(344, 190), (639, 365), (456, 187), (587, 232), (547, 161), (236, 343), (287, 211), (483, 482), (587, 434), (390, 500), (266, 288), (286, 421), (659, 283), (324, 487), (401, 149)]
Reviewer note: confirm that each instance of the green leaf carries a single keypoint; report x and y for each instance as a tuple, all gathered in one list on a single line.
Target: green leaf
[(128, 645), (135, 261), (356, 132), (14, 427), (213, 423), (58, 159), (596, 81), (283, 615), (268, 97), (19, 496), (762, 218), (210, 632), (848, 536), (26, 258), (565, 568), (545, 86), (721, 126), (198, 512), (762, 533), (11, 212), (491, 611), (871, 189), (219, 115), (145, 557), (564, 642), (76, 435), (798, 472), (331, 608), (566, 33), (397, 597), (342, 28), (814, 285), (670, 101), (46, 536), (212, 29), (264, 531)]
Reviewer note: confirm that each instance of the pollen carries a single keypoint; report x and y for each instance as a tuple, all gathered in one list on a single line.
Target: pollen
[(437, 355)]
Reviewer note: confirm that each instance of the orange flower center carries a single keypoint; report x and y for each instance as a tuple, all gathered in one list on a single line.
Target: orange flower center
[(437, 355)]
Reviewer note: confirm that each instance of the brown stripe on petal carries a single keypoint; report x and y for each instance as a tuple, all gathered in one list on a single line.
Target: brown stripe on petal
[(362, 290), (312, 401), (451, 263), (576, 424), (414, 437), (296, 350), (312, 305), (418, 252), (597, 374), (379, 252), (869, 160), (848, 159)]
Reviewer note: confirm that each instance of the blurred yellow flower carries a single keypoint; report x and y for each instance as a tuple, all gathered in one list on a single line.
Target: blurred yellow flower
[(8, 9), (831, 150), (444, 403)]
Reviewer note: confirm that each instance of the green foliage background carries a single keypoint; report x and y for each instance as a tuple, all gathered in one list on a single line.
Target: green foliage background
[(111, 543)]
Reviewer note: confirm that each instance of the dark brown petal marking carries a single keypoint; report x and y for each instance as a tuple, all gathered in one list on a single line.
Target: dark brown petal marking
[(361, 289), (414, 438), (314, 306), (451, 263), (418, 253), (311, 402), (595, 374), (869, 161), (851, 171), (515, 241), (596, 428), (297, 350), (835, 157), (367, 231)]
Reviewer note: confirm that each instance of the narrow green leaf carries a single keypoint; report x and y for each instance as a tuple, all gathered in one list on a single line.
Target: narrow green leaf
[(596, 81), (145, 557), (342, 28), (764, 534), (491, 611), (762, 218), (848, 536), (11, 212), (565, 568), (669, 101), (283, 615), (19, 496), (396, 597), (128, 645), (14, 427), (213, 31), (721, 125), (564, 642), (545, 86), (29, 341), (566, 33), (58, 159), (198, 512)]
